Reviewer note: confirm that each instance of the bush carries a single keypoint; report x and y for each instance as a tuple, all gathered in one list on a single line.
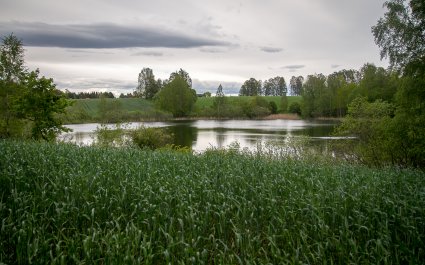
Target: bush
[(283, 103), (273, 107), (151, 138), (295, 108)]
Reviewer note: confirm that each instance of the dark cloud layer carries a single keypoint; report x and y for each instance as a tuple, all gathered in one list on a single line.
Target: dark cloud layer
[(100, 36), (271, 49), (294, 66)]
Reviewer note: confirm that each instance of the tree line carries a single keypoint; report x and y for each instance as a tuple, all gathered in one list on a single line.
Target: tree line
[(84, 95), (330, 96)]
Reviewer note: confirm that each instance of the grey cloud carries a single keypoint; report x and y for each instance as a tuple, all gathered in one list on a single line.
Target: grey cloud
[(333, 66), (148, 53), (271, 49), (88, 84), (101, 36), (294, 66), (211, 50)]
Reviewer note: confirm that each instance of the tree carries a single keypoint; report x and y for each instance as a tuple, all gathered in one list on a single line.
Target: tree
[(377, 83), (177, 97), (296, 84), (12, 72), (401, 33), (219, 101), (275, 86), (183, 74), (12, 67), (147, 85), (40, 103), (401, 36), (28, 103), (251, 87), (368, 122), (312, 93)]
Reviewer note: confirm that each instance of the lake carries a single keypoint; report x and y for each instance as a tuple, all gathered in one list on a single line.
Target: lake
[(203, 134)]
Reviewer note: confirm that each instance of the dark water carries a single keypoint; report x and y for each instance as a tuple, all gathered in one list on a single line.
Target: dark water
[(203, 134)]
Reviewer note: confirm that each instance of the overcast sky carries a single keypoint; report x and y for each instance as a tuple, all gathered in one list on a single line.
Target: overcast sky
[(103, 44)]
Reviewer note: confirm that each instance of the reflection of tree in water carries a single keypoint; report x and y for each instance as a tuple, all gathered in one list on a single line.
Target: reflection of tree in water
[(183, 134), (316, 131), (220, 135)]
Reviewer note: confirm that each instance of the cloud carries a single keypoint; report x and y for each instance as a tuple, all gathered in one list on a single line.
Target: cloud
[(211, 50), (101, 36), (116, 86), (294, 66), (148, 53), (271, 49), (333, 66)]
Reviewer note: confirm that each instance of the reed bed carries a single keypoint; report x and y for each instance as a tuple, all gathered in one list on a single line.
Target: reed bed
[(63, 204)]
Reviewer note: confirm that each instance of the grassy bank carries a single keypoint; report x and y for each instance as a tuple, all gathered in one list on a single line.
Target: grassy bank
[(134, 109), (65, 204)]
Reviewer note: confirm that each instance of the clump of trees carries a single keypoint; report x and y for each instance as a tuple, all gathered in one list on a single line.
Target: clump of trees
[(389, 120), (84, 95), (177, 96), (29, 103), (275, 86)]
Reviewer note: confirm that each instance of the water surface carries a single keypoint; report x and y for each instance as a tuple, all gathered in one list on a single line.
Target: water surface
[(203, 134)]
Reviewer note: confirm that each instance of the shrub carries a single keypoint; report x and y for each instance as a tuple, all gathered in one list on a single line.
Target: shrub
[(273, 107), (295, 108), (151, 138)]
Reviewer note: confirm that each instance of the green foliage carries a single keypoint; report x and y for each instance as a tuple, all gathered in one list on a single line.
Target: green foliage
[(295, 108), (110, 110), (151, 138), (401, 32), (376, 137), (182, 74), (111, 137), (30, 104), (220, 103), (283, 104), (39, 103), (147, 86), (255, 108), (251, 87), (128, 109), (313, 100), (377, 83), (275, 86), (177, 97), (272, 107), (67, 204), (296, 84)]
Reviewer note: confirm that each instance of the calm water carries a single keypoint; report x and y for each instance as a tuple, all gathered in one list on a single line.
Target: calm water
[(203, 134)]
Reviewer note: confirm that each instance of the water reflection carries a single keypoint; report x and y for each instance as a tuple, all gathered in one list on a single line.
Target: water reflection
[(203, 134)]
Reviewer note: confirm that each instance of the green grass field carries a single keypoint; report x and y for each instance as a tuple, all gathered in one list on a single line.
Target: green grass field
[(62, 204)]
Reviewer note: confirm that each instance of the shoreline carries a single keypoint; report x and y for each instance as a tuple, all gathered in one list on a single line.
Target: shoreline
[(284, 116)]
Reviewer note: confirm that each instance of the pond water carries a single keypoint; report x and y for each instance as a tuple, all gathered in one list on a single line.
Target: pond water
[(203, 134)]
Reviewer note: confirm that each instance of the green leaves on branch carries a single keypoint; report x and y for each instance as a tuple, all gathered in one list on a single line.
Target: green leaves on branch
[(177, 97), (29, 103)]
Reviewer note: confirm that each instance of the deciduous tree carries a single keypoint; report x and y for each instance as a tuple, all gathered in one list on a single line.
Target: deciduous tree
[(251, 87), (275, 86), (177, 97), (147, 85)]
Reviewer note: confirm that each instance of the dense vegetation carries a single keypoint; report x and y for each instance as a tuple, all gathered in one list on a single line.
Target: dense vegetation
[(28, 102), (67, 204), (137, 109)]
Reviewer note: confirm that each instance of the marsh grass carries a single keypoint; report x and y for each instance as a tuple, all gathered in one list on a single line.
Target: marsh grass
[(64, 204)]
